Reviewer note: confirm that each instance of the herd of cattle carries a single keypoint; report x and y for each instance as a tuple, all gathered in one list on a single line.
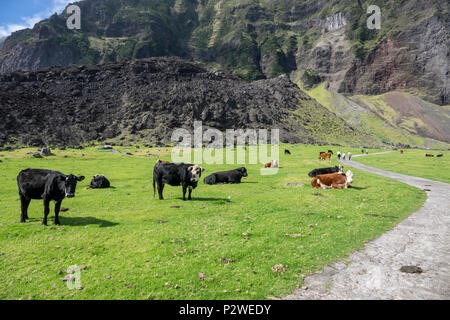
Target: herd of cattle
[(49, 185), (54, 186)]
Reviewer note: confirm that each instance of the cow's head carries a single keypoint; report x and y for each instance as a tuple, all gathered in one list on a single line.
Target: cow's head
[(243, 172), (196, 172), (70, 184), (349, 176), (340, 169)]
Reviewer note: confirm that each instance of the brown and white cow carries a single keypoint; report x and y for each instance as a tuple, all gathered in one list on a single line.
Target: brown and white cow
[(332, 180), (429, 155), (271, 164)]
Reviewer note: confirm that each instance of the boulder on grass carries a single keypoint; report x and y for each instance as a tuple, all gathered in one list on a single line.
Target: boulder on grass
[(46, 152)]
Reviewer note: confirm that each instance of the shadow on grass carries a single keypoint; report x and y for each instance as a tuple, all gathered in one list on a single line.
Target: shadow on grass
[(357, 188), (84, 221), (204, 199)]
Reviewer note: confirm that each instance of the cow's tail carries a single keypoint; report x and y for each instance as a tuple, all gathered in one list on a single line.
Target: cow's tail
[(154, 190)]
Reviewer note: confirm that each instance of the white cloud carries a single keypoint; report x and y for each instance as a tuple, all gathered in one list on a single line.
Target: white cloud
[(29, 22)]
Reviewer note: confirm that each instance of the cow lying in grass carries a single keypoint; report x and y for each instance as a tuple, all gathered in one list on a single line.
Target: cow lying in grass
[(47, 185), (99, 181), (429, 155), (271, 164), (333, 180), (335, 169), (232, 176)]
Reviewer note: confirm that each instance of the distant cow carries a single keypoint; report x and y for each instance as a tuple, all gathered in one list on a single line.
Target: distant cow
[(176, 174), (232, 176), (429, 155), (401, 151), (47, 185), (325, 155), (330, 151), (319, 171), (99, 181), (271, 164), (333, 180), (440, 155), (286, 151)]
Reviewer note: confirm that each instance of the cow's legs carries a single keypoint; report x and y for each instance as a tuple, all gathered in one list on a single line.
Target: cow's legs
[(190, 192), (24, 203), (184, 193), (160, 186), (57, 208), (46, 211)]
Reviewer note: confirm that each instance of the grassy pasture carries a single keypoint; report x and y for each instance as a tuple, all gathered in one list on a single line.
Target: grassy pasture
[(129, 255), (412, 162)]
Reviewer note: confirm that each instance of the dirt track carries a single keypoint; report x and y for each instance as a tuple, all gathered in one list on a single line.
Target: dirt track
[(422, 240)]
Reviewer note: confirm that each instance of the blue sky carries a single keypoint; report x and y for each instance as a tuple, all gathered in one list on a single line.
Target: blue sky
[(20, 14)]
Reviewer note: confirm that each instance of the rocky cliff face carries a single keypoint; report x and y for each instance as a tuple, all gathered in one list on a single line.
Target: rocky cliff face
[(418, 58), (146, 100), (317, 40)]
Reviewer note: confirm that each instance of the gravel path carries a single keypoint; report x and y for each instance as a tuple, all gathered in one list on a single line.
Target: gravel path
[(422, 240)]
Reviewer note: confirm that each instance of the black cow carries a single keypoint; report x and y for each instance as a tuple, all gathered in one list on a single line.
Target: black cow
[(286, 151), (440, 155), (232, 176), (316, 172), (176, 174), (47, 185), (99, 181)]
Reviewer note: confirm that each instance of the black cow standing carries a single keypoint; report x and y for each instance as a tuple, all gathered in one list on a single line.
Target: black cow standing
[(176, 174), (47, 185), (286, 151), (232, 176)]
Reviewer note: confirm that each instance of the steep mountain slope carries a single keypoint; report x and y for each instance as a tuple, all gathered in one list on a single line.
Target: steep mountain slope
[(256, 39), (146, 100), (396, 117), (407, 112)]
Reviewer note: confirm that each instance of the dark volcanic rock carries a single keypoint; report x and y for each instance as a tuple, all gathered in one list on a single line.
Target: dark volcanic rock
[(149, 98)]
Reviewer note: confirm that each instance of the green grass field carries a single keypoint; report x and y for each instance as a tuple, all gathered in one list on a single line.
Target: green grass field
[(412, 162), (129, 255)]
